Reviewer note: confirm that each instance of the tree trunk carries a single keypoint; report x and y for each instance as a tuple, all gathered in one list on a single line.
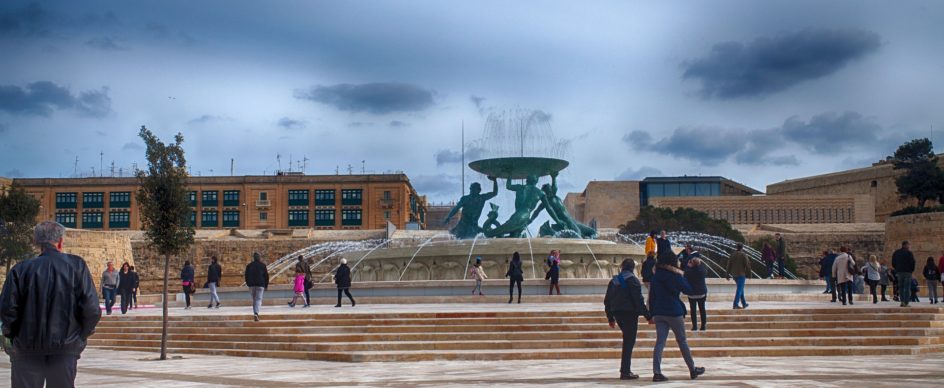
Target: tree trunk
[(164, 307)]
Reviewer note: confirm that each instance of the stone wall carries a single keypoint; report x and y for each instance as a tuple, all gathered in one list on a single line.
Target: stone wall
[(233, 256), (778, 209), (925, 232), (806, 249)]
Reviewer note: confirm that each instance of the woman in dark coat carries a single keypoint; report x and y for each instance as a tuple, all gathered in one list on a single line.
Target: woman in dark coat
[(134, 291), (695, 274), (516, 276), (186, 281), (342, 277), (668, 313), (125, 286)]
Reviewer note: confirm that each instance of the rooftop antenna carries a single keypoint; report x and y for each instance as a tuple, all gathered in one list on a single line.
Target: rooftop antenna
[(350, 169), (134, 166), (75, 167), (278, 157), (462, 165), (363, 167), (120, 172), (232, 166), (112, 168), (336, 170), (101, 163), (290, 162), (305, 164)]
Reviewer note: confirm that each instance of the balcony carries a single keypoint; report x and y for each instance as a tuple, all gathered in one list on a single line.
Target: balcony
[(263, 203)]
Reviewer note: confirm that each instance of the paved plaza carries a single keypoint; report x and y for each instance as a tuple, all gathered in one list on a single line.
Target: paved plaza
[(123, 369)]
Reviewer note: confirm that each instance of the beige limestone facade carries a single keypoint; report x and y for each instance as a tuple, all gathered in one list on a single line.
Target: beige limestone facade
[(609, 203), (778, 209), (97, 249), (924, 232), (5, 185)]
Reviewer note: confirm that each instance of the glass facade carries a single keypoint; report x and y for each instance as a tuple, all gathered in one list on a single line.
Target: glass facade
[(681, 189)]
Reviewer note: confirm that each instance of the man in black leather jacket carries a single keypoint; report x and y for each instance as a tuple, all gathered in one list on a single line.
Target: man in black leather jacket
[(49, 308), (624, 304)]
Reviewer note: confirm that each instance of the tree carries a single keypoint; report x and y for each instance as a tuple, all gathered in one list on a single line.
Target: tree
[(681, 219), (923, 178), (165, 208), (18, 211)]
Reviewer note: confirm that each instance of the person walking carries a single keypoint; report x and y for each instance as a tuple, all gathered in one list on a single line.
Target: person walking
[(781, 254), (109, 286), (186, 281), (342, 278), (125, 285), (695, 274), (668, 313), (134, 290), (298, 288), (739, 268), (257, 279), (624, 305), (932, 277), (873, 276), (303, 266), (648, 268), (769, 257), (903, 262), (515, 274), (826, 271), (48, 310), (893, 279), (214, 276), (478, 273), (940, 270), (553, 272), (883, 279), (844, 269)]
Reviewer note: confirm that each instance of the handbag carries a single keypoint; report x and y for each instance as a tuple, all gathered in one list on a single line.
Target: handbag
[(309, 284)]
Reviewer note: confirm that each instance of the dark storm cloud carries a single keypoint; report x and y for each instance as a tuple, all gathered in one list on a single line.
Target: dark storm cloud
[(706, 145), (106, 43), (833, 132), (760, 149), (289, 123), (772, 64), (450, 156), (35, 20), (42, 98), (638, 139), (642, 172), (376, 98)]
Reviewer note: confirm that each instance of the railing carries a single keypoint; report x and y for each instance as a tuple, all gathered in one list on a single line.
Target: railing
[(263, 203)]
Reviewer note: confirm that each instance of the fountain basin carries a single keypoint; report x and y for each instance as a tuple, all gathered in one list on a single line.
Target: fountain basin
[(450, 260), (518, 167)]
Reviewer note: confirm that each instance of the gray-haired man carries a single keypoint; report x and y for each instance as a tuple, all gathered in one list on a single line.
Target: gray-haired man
[(49, 308)]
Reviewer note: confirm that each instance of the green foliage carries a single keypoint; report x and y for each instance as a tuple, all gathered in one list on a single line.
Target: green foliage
[(788, 263), (18, 211), (165, 208), (918, 210), (681, 219), (923, 179)]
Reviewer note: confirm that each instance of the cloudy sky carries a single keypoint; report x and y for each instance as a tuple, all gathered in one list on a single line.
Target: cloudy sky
[(755, 91)]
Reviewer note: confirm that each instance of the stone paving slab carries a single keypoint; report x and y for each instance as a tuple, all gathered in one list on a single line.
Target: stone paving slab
[(103, 368)]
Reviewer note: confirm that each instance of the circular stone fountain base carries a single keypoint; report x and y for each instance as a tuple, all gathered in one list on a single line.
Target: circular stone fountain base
[(450, 260)]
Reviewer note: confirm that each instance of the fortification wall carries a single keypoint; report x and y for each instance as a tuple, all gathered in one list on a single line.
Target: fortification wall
[(925, 232)]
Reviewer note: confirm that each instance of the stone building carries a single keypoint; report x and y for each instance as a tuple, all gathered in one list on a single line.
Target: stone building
[(5, 185), (241, 202), (436, 216), (779, 209)]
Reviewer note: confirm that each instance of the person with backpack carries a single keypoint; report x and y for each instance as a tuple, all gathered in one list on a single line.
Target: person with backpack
[(515, 275), (478, 273), (931, 277), (695, 274), (624, 305)]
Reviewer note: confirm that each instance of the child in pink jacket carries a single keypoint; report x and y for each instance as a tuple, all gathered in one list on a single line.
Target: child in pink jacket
[(299, 287)]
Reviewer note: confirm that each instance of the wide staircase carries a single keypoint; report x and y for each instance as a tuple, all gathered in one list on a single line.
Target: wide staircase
[(509, 335)]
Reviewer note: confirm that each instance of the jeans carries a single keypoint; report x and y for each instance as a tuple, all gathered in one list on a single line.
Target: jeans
[(478, 287), (31, 371), (187, 294), (780, 268), (347, 292), (307, 297), (134, 298), (845, 291), (256, 293), (629, 325), (932, 290), (698, 304), (884, 288), (125, 300), (511, 289), (904, 287), (109, 295), (872, 285), (770, 269), (213, 295), (663, 325), (829, 284), (739, 294)]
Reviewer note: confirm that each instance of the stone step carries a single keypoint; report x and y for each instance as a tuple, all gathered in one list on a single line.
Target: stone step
[(543, 320), (513, 336), (530, 354), (552, 343)]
